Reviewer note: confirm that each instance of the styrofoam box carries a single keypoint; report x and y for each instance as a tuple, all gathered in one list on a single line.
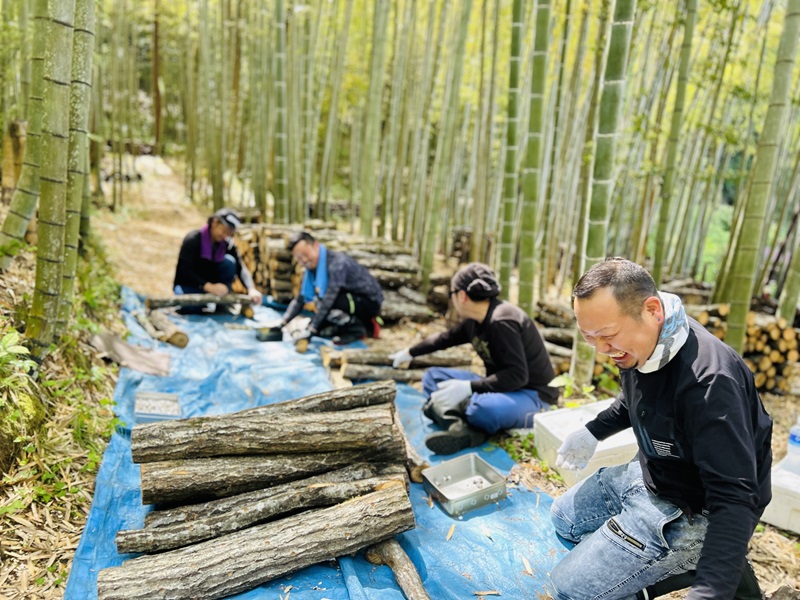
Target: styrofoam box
[(551, 427), (784, 509)]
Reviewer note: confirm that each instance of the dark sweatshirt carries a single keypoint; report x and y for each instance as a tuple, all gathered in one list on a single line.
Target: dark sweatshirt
[(510, 346), (704, 444), (195, 271)]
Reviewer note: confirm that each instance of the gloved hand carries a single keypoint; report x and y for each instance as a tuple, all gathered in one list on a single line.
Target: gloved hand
[(400, 357), (452, 391), (577, 449), (255, 295), (301, 334)]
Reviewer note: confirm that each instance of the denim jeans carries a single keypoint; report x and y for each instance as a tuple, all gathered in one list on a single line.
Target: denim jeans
[(489, 411), (627, 537)]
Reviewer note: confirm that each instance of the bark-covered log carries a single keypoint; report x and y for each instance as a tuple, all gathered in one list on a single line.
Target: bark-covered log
[(189, 513), (350, 371), (412, 295), (201, 479), (558, 335), (367, 394), (267, 433), (250, 509), (414, 461), (394, 311), (558, 351), (395, 279), (187, 300), (246, 559), (169, 331), (452, 357), (390, 553)]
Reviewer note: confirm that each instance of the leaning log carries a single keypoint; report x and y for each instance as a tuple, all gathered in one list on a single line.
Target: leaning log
[(246, 559), (201, 479), (390, 553), (367, 394), (350, 371), (271, 433), (252, 508)]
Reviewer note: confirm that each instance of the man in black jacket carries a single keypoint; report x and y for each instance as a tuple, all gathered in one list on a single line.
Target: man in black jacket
[(686, 509), (208, 261), (466, 406), (347, 297)]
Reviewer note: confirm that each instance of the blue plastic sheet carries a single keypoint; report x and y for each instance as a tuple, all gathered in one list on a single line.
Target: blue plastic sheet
[(224, 370)]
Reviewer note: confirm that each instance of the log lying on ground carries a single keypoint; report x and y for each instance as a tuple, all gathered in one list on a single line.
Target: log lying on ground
[(167, 330), (350, 371), (187, 300), (243, 560), (201, 479), (245, 510), (452, 357), (193, 512), (368, 394), (394, 310), (267, 433), (390, 553)]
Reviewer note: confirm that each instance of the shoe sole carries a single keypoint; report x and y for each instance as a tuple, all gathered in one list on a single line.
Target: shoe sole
[(444, 443)]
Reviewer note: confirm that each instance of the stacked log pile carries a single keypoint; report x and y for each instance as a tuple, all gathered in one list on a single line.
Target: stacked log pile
[(257, 494), (264, 251)]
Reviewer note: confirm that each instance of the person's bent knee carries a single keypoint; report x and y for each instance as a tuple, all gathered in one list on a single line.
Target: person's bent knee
[(564, 585), (561, 523)]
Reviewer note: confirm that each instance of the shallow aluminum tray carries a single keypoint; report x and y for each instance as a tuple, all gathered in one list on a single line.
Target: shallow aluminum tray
[(463, 484)]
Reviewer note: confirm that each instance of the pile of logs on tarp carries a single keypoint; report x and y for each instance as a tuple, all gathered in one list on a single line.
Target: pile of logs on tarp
[(264, 251), (247, 497), (374, 362)]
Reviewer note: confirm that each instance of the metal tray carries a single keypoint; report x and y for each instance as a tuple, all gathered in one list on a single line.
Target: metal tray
[(463, 484), (149, 407)]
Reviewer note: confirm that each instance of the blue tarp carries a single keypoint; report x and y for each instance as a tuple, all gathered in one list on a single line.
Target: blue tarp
[(224, 370)]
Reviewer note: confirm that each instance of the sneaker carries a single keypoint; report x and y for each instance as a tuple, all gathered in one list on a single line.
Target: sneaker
[(459, 436)]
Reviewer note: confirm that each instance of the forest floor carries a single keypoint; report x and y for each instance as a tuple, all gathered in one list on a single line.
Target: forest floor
[(142, 237)]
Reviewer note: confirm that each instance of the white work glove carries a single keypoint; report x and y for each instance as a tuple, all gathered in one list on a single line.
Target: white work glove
[(452, 391), (400, 357), (577, 449), (255, 295)]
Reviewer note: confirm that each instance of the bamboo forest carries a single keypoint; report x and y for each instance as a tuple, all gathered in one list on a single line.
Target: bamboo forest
[(536, 136)]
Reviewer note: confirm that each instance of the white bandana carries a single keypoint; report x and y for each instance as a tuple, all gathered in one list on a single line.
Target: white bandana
[(673, 336)]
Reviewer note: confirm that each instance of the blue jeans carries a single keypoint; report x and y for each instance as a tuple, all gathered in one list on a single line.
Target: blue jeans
[(490, 411), (627, 537)]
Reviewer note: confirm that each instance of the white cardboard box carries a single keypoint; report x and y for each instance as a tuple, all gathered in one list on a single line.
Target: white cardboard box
[(784, 509), (551, 427)]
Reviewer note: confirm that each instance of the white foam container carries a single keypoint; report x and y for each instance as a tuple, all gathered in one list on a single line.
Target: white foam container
[(551, 427), (784, 509)]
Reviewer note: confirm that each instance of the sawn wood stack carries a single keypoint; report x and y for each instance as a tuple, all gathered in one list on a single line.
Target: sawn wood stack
[(257, 494)]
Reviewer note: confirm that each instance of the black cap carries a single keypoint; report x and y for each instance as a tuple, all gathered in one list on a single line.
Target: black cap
[(229, 217), (299, 236), (478, 280)]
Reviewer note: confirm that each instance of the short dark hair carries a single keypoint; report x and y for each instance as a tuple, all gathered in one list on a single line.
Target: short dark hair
[(300, 236), (630, 284)]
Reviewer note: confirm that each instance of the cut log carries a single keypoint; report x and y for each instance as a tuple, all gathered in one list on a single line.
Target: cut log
[(193, 512), (414, 461), (350, 371), (412, 295), (243, 560), (394, 311), (187, 300), (390, 553), (201, 479), (252, 508), (367, 394), (558, 351), (268, 433), (558, 335), (395, 279), (169, 331), (452, 357)]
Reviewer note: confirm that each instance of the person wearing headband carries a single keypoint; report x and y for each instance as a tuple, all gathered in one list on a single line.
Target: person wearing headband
[(208, 261), (682, 512), (469, 408)]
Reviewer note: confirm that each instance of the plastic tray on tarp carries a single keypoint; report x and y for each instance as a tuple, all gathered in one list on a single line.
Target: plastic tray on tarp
[(464, 483)]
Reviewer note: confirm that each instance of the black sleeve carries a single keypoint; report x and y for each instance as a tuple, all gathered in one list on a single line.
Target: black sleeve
[(612, 420), (187, 272), (447, 339)]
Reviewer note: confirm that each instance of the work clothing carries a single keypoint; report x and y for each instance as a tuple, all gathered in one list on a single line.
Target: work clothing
[(704, 450), (201, 261)]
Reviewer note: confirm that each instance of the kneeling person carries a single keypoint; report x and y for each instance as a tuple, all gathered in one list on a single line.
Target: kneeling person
[(469, 407)]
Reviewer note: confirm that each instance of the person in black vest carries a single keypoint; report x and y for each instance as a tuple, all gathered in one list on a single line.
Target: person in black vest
[(208, 261), (466, 406), (683, 511), (347, 297)]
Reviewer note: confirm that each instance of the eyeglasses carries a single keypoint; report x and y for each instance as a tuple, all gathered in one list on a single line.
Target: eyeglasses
[(451, 292)]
